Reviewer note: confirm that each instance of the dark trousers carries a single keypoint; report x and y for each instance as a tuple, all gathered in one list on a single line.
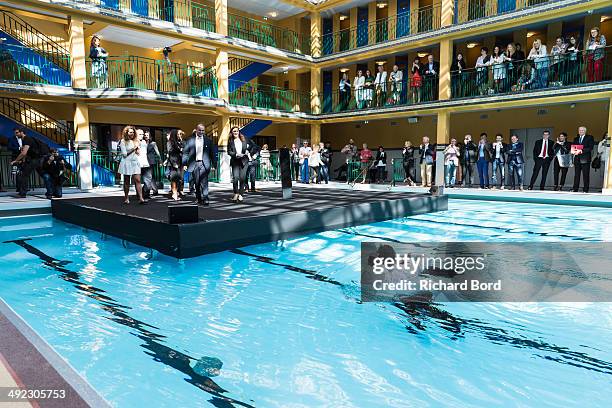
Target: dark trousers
[(468, 174), (238, 178), (200, 180), (483, 172), (148, 185), (515, 168), (295, 170), (584, 169), (380, 174), (324, 173), (409, 171), (558, 169), (542, 164), (23, 177), (250, 174), (52, 185)]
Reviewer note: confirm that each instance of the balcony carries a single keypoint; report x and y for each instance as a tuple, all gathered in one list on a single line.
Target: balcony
[(470, 10), (155, 75), (24, 65), (267, 34), (422, 20), (270, 97), (550, 72)]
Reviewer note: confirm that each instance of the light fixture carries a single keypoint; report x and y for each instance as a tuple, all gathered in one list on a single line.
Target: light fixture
[(381, 4), (365, 122), (531, 34), (381, 62), (472, 45), (343, 17), (422, 54), (604, 18), (265, 18), (157, 49), (343, 70), (572, 106), (273, 14)]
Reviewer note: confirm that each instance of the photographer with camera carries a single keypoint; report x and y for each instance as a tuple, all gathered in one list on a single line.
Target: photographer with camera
[(53, 172), (28, 159)]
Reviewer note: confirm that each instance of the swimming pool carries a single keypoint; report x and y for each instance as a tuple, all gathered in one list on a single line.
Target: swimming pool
[(281, 324)]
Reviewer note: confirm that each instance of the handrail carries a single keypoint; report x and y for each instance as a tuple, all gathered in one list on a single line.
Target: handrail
[(236, 64), (28, 116), (157, 75), (270, 97), (426, 18), (474, 10), (35, 39), (263, 33)]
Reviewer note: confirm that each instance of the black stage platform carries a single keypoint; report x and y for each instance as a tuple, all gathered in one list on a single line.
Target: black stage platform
[(262, 217)]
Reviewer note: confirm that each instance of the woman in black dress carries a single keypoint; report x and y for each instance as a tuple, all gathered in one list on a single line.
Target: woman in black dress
[(237, 150), (457, 76), (174, 165), (408, 162)]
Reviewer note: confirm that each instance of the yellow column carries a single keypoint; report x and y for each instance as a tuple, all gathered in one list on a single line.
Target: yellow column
[(353, 28), (221, 17), (224, 168), (442, 139), (392, 19), (448, 13), (315, 134), (446, 55), (83, 146), (315, 86), (222, 73), (316, 30), (607, 187), (372, 22), (77, 53), (414, 16)]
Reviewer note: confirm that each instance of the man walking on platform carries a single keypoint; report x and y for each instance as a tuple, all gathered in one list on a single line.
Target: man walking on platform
[(199, 158)]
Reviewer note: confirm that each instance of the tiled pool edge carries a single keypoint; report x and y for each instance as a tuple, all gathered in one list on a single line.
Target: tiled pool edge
[(35, 343)]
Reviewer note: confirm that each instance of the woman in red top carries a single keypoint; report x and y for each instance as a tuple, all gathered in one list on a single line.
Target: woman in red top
[(416, 81)]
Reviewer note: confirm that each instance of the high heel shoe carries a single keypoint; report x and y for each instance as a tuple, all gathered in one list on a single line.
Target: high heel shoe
[(235, 198), (240, 198)]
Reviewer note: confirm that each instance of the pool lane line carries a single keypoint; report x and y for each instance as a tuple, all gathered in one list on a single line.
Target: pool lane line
[(424, 308), (159, 352)]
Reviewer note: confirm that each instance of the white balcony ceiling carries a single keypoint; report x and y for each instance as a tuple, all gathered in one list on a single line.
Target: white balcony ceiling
[(136, 38), (265, 7)]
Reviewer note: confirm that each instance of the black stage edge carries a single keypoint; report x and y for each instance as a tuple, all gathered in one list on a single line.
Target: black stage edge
[(262, 217)]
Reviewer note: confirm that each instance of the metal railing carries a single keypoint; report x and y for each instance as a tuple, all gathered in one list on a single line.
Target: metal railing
[(29, 117), (405, 92), (267, 34), (236, 64), (34, 39), (270, 97), (424, 19), (469, 10), (546, 72), (22, 64), (35, 181), (156, 75)]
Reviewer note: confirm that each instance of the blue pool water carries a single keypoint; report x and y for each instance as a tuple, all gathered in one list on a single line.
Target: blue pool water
[(285, 321)]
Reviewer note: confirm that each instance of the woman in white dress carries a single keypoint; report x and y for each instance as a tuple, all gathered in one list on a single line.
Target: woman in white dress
[(129, 167), (358, 84)]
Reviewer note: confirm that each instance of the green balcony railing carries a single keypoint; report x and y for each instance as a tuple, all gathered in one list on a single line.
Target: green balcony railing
[(469, 10), (270, 97), (156, 75), (391, 93), (564, 70), (22, 64), (267, 34), (35, 181), (424, 19)]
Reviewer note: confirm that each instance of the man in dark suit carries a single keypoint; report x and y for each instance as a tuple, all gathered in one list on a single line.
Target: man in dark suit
[(431, 72), (468, 160), (199, 158), (582, 159), (543, 155), (153, 158), (253, 154), (515, 162), (498, 160), (483, 154)]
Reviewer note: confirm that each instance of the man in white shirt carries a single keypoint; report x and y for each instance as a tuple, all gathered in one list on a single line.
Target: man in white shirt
[(543, 154), (305, 152), (380, 84)]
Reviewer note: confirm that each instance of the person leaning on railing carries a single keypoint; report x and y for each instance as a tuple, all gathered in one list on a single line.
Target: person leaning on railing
[(358, 85), (573, 62), (595, 55), (557, 56), (396, 78), (345, 91), (482, 71), (498, 62), (380, 84), (457, 68), (539, 56), (99, 69), (416, 82)]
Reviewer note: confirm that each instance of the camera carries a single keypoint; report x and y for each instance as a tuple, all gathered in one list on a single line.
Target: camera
[(166, 51)]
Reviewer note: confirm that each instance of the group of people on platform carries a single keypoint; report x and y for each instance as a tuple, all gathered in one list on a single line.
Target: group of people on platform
[(30, 154), (311, 164), (500, 70), (495, 160)]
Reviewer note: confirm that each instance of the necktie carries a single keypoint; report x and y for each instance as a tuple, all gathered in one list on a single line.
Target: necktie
[(544, 150), (580, 141)]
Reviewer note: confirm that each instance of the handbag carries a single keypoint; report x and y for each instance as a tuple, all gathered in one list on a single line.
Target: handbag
[(596, 164), (565, 160)]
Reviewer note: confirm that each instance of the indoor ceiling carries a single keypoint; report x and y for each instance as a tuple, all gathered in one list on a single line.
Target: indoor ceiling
[(137, 38), (272, 9)]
